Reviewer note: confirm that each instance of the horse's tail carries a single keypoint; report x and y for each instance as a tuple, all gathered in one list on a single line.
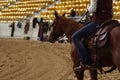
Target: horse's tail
[(111, 69)]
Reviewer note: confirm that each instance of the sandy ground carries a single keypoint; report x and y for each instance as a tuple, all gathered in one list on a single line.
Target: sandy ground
[(35, 60)]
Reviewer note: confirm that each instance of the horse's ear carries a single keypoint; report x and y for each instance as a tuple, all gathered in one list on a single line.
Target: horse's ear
[(63, 14), (56, 14)]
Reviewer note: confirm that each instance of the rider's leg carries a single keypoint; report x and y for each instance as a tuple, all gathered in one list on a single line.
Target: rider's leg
[(84, 32)]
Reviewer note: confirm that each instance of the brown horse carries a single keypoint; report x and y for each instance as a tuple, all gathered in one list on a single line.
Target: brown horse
[(109, 55)]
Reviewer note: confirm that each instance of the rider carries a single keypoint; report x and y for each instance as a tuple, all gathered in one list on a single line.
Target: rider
[(100, 14)]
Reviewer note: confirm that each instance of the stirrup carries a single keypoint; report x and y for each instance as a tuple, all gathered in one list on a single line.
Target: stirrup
[(78, 68), (81, 67)]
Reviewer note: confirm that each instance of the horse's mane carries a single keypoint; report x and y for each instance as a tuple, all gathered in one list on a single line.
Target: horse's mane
[(71, 22)]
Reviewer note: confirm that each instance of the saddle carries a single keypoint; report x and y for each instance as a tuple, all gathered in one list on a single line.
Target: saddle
[(100, 38)]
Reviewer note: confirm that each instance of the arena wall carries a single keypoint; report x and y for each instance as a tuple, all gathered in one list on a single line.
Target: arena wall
[(5, 31)]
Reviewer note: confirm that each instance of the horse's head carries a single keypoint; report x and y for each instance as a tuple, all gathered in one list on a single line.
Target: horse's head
[(56, 30)]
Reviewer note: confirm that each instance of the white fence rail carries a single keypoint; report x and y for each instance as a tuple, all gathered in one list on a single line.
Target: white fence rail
[(5, 31)]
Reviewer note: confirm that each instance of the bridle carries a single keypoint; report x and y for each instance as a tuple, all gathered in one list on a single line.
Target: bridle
[(56, 35)]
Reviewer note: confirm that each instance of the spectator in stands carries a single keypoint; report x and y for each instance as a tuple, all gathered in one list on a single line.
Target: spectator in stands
[(100, 14), (72, 13)]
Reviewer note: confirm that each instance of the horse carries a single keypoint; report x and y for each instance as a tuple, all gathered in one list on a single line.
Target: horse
[(109, 54), (43, 30)]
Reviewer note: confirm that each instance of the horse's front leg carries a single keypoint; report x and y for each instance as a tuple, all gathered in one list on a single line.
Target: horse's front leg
[(79, 74), (93, 74)]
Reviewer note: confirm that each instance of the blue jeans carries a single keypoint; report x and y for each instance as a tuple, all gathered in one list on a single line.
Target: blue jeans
[(84, 32)]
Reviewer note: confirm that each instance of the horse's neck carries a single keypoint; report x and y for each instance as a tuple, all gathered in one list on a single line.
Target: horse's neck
[(71, 28)]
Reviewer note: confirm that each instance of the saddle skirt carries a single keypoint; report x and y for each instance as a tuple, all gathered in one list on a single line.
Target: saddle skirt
[(100, 38)]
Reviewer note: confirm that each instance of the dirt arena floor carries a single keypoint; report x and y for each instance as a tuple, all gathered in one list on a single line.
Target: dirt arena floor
[(35, 60)]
